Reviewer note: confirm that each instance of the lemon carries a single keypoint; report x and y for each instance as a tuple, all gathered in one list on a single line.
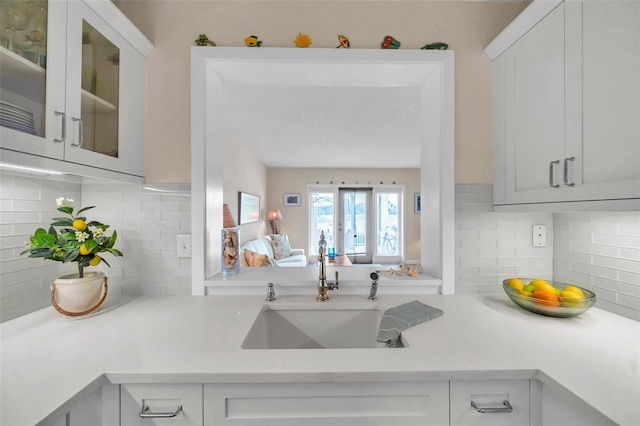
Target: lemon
[(84, 250), (574, 289), (515, 284), (570, 298), (79, 224), (529, 288), (541, 284), (95, 261)]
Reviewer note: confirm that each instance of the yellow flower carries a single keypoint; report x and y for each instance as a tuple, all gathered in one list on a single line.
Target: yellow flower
[(303, 40)]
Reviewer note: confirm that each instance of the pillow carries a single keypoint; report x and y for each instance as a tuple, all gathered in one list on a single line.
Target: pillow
[(255, 259), (281, 246)]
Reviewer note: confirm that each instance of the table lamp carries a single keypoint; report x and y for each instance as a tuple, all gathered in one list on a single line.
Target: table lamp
[(275, 217)]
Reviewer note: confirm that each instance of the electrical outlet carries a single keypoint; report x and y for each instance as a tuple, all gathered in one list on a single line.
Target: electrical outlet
[(539, 236), (184, 245)]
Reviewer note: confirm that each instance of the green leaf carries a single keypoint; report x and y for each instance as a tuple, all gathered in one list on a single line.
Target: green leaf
[(84, 209), (107, 263), (112, 240), (63, 222), (65, 209), (46, 240), (45, 253), (69, 236), (95, 224), (115, 252), (70, 256), (90, 244), (52, 231)]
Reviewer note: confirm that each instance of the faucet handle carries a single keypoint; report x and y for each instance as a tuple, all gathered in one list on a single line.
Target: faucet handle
[(271, 293), (337, 281), (375, 275)]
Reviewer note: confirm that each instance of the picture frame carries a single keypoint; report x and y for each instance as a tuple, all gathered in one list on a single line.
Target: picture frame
[(292, 200), (249, 208), (417, 207)]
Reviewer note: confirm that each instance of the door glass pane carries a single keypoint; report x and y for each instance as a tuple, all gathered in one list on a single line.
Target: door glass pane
[(354, 204), (23, 60), (388, 224), (100, 75), (322, 215)]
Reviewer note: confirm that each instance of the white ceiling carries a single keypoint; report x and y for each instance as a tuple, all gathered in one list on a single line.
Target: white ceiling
[(324, 114)]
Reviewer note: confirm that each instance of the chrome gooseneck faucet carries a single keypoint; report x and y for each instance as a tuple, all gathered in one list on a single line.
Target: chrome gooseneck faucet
[(323, 284)]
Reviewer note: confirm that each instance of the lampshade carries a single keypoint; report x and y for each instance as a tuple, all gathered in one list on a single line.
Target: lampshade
[(227, 218), (274, 215)]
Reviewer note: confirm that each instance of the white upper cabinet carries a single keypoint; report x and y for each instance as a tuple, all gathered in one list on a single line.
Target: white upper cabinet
[(567, 107), (84, 85)]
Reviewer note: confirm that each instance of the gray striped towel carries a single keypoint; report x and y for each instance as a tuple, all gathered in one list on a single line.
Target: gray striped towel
[(394, 320)]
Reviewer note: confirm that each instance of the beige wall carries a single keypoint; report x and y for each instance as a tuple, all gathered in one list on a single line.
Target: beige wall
[(242, 171), (295, 219), (173, 26)]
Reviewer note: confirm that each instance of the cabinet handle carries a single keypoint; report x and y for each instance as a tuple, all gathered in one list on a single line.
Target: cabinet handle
[(506, 408), (64, 126), (551, 164), (146, 413), (80, 135), (566, 171)]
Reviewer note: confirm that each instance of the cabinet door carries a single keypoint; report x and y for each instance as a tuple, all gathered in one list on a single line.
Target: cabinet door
[(162, 400), (105, 95), (32, 77), (319, 404), (534, 111), (489, 396), (603, 99)]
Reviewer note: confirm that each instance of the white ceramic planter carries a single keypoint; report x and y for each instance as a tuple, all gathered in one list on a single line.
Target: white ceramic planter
[(73, 296)]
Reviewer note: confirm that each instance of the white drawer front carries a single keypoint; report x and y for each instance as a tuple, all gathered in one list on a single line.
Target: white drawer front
[(335, 404), (161, 398), (489, 394)]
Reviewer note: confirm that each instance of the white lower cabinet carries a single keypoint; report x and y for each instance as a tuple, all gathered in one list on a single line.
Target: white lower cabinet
[(489, 402), (556, 407), (314, 404), (161, 404)]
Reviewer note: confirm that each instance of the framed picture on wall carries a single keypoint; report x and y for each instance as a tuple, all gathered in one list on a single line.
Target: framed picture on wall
[(292, 200), (249, 206), (417, 207)]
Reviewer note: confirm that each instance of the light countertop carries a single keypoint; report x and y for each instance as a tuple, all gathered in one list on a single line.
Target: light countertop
[(46, 359)]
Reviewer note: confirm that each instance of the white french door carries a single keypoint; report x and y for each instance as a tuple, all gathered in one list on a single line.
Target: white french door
[(365, 224)]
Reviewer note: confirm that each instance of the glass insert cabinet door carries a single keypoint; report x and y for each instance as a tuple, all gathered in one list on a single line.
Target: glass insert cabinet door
[(32, 76), (93, 67)]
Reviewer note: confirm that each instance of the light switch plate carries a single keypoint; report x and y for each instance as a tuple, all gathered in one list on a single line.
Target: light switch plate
[(539, 236), (183, 245)]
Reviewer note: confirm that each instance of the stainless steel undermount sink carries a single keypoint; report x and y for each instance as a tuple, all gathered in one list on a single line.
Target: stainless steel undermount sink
[(314, 328)]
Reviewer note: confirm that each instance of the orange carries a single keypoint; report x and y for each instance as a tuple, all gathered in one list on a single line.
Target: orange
[(546, 298)]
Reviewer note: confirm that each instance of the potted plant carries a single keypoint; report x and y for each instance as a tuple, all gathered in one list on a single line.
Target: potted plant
[(78, 241)]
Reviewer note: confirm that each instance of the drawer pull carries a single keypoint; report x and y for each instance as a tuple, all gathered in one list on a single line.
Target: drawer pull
[(507, 408), (146, 413)]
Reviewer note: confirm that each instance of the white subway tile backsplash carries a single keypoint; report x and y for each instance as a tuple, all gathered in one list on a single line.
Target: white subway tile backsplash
[(601, 251), (497, 237), (147, 223)]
